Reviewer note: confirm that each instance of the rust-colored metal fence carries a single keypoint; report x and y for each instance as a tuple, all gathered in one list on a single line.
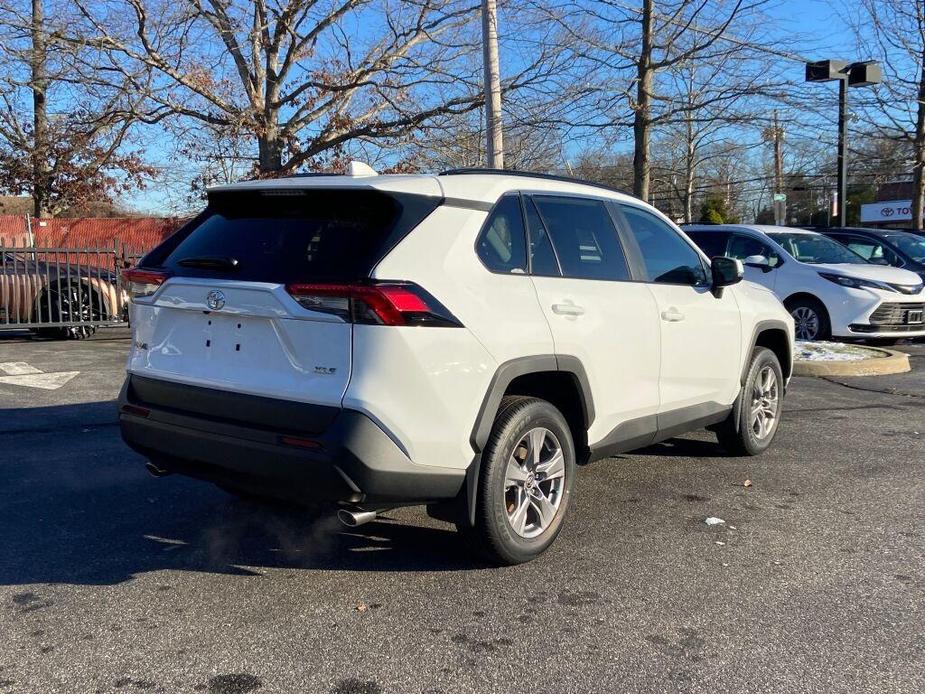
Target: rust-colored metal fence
[(63, 288)]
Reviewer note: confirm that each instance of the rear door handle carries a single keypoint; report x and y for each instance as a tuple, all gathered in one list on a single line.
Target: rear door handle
[(672, 315), (567, 308)]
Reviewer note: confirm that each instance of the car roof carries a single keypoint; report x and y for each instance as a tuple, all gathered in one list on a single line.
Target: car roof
[(761, 228), (483, 185)]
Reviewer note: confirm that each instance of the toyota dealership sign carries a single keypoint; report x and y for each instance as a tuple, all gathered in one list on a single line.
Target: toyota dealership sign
[(886, 211)]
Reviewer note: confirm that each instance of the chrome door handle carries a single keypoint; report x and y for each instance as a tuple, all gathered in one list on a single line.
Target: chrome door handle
[(567, 308), (672, 315)]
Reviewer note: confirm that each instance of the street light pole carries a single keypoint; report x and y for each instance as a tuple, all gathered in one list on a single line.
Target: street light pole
[(860, 74), (842, 200)]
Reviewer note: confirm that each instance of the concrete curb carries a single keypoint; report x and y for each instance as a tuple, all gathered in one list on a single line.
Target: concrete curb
[(892, 363)]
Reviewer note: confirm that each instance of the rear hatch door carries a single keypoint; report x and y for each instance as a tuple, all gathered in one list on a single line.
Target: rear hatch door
[(224, 319)]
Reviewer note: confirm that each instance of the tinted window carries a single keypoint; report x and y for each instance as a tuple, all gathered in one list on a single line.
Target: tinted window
[(815, 248), (667, 257), (870, 249), (308, 235), (542, 255), (910, 244), (501, 243), (584, 237), (713, 243), (742, 246)]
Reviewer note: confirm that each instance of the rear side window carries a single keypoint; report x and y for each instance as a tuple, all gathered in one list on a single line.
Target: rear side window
[(501, 245), (292, 236), (584, 238), (543, 260), (667, 257), (713, 243)]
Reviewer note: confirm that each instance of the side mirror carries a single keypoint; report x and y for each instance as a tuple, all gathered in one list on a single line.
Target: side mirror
[(725, 271), (759, 261)]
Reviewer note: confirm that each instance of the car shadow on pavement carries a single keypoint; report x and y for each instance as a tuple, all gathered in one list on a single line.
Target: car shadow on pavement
[(76, 506), (685, 448)]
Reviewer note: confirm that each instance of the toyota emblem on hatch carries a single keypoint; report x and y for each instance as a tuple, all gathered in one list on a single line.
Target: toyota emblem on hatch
[(215, 299)]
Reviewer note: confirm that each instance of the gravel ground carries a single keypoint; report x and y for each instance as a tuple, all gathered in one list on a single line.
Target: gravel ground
[(112, 581)]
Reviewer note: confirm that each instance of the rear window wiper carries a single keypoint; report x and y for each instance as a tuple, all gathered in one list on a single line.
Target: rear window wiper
[(216, 262)]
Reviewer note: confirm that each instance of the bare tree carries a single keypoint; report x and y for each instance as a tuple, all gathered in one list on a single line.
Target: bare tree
[(63, 135), (302, 78), (896, 28)]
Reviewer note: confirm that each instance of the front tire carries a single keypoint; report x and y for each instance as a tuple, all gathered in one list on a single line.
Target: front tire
[(753, 422), (526, 477)]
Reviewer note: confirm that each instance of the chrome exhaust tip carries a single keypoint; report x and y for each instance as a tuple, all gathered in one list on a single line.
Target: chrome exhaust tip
[(352, 519), (156, 471)]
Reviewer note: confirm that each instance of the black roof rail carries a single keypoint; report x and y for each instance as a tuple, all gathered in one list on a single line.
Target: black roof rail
[(528, 174)]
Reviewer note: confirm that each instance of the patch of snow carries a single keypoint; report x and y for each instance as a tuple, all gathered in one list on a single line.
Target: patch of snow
[(712, 520), (833, 351)]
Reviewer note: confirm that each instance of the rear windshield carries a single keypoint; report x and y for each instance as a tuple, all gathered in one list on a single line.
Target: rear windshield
[(291, 236)]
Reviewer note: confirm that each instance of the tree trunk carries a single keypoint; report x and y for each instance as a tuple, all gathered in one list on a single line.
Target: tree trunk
[(270, 150), (39, 84), (690, 163), (918, 170), (642, 118)]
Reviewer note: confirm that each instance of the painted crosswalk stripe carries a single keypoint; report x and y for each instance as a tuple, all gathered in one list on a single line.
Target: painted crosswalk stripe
[(19, 373)]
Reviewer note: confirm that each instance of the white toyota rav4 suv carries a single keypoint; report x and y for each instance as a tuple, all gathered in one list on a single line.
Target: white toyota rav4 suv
[(462, 340)]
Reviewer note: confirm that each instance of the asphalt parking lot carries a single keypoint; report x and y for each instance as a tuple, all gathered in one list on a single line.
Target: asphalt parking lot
[(113, 581)]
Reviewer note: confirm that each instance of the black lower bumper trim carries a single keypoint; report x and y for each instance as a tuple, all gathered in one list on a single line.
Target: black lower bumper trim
[(354, 460)]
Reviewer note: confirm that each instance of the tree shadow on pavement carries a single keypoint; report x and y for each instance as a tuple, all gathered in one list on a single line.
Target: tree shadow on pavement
[(76, 506)]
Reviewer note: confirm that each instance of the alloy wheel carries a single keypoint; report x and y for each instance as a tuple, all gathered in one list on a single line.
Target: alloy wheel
[(534, 483), (765, 403), (806, 323)]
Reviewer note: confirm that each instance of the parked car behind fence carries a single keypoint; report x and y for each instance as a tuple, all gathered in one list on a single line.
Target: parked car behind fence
[(62, 292)]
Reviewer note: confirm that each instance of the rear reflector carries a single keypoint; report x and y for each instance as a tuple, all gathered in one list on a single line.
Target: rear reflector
[(380, 303), (142, 283), (137, 411), (299, 442)]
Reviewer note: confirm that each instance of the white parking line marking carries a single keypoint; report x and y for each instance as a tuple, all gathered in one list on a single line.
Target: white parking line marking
[(18, 368), (19, 373)]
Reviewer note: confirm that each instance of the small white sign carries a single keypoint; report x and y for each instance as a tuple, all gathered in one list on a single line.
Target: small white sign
[(887, 211)]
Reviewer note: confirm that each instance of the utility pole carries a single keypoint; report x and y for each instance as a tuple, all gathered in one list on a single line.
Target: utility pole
[(39, 84), (775, 134), (492, 85)]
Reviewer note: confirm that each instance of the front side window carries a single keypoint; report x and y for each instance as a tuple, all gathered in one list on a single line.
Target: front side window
[(501, 243), (744, 246), (713, 243), (811, 248), (871, 250), (910, 244), (584, 237), (667, 257)]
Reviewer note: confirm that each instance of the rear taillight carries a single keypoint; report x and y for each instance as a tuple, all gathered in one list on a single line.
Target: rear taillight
[(381, 303), (142, 283)]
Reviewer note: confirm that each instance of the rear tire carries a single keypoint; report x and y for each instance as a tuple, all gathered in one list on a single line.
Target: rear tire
[(67, 303), (810, 317), (525, 481), (753, 422)]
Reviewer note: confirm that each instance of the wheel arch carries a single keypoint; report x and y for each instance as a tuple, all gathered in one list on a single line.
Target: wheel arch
[(558, 379), (773, 335)]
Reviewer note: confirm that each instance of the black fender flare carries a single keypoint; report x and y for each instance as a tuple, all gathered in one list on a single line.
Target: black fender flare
[(503, 376)]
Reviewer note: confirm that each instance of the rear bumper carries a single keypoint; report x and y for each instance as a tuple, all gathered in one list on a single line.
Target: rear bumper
[(296, 451)]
